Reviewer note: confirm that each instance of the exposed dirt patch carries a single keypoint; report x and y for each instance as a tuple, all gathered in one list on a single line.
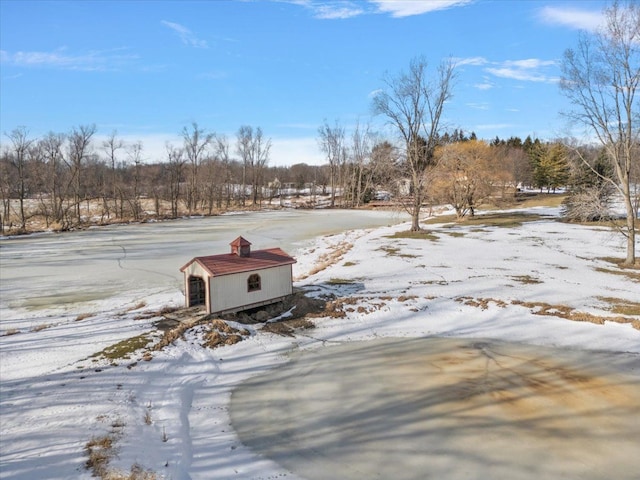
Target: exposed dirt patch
[(221, 333), (287, 328)]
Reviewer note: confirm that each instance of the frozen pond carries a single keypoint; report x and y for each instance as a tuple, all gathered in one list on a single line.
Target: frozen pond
[(77, 271)]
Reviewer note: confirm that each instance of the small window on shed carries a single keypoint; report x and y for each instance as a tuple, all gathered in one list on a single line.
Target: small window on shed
[(253, 283)]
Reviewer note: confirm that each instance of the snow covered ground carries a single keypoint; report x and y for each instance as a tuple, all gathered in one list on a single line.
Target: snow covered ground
[(171, 415)]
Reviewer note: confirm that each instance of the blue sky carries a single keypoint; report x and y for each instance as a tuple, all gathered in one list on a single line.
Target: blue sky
[(147, 69)]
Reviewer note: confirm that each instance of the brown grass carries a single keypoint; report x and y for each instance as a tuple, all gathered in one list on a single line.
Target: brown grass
[(631, 272), (100, 451), (328, 259), (84, 316), (419, 235), (621, 306), (561, 311), (395, 252), (221, 333), (11, 331), (526, 279), (482, 303), (499, 219), (40, 327), (406, 298), (564, 311), (540, 200), (125, 348)]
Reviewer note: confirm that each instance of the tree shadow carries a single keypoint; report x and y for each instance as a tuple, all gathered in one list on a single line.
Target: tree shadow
[(441, 408)]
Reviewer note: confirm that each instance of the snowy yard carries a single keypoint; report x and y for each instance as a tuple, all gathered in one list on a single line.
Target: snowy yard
[(540, 284)]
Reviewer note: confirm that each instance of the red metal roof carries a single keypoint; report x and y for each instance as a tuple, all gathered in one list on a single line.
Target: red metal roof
[(229, 263)]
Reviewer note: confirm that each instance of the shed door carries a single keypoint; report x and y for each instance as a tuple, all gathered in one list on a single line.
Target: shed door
[(197, 295)]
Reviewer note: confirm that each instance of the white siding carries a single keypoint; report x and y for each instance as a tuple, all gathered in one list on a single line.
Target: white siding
[(195, 270), (230, 291)]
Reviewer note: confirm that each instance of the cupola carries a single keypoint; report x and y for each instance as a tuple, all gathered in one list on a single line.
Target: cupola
[(241, 247)]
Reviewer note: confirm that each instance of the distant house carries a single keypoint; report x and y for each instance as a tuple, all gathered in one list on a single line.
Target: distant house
[(238, 280)]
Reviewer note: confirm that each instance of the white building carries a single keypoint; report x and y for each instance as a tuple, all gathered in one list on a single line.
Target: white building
[(238, 280)]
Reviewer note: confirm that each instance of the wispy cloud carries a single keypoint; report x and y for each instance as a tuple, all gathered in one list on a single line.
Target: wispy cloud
[(470, 61), (528, 70), (407, 8), (479, 106), (336, 11), (485, 85), (186, 36), (343, 9), (96, 60), (572, 17)]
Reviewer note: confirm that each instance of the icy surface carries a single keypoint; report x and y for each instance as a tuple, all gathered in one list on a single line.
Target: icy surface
[(69, 296)]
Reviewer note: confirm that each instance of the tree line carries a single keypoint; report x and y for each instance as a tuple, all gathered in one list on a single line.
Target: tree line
[(66, 180)]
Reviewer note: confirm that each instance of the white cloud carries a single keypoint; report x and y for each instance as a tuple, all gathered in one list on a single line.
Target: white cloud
[(97, 60), (407, 8), (529, 63), (332, 12), (484, 85), (475, 61), (342, 9), (528, 70), (186, 36), (517, 74), (572, 17)]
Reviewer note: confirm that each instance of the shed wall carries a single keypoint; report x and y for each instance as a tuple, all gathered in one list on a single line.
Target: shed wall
[(196, 270), (230, 291)]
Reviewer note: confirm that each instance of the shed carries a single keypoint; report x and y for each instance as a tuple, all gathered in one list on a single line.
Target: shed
[(238, 280)]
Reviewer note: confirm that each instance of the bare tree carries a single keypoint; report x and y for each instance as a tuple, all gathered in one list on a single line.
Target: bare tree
[(176, 162), (600, 78), (21, 144), (52, 148), (196, 143), (111, 146), (332, 143), (254, 150), (413, 105), (135, 158), (222, 153), (79, 150)]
